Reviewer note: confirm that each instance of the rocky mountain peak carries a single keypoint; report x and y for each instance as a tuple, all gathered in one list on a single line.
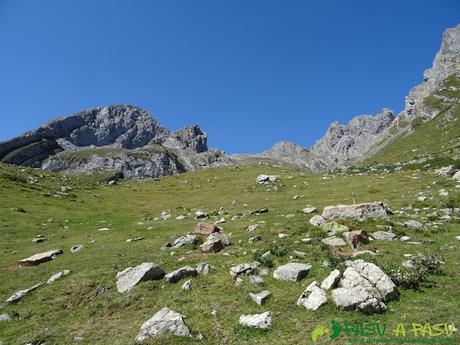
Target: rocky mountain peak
[(446, 63)]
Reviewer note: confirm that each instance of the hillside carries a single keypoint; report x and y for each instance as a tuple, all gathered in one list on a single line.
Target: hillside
[(85, 307)]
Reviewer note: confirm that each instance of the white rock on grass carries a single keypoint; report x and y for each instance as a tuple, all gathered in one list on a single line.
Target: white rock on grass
[(334, 241), (132, 276), (40, 258), (383, 235), (164, 321), (309, 209), (186, 285), (357, 211), (317, 221), (175, 276), (5, 317), (262, 321), (252, 228), (332, 280), (261, 297), (313, 297), (243, 269), (56, 276), (265, 179), (292, 271), (18, 295)]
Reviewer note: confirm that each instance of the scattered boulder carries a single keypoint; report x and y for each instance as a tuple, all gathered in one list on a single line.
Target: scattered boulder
[(262, 321), (164, 321), (56, 276), (383, 235), (243, 269), (256, 280), (221, 236), (132, 276), (413, 224), (212, 245), (266, 179), (260, 211), (184, 240), (5, 317), (252, 228), (365, 287), (261, 297), (334, 228), (77, 248), (445, 171), (332, 280), (134, 239), (175, 276), (18, 295), (206, 228), (405, 238), (180, 217), (202, 268), (201, 215), (292, 271), (334, 241), (187, 284), (356, 237), (317, 221), (358, 211), (313, 297), (309, 209), (254, 239), (40, 258), (456, 176), (39, 240)]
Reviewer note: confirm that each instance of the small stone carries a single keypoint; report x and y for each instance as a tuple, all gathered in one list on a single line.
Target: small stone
[(18, 295), (186, 285), (255, 239), (56, 276), (283, 235), (256, 280), (405, 238), (180, 217), (334, 241), (309, 209), (39, 240), (262, 321), (413, 224), (185, 240), (77, 248), (5, 317), (134, 239), (252, 228), (261, 297)]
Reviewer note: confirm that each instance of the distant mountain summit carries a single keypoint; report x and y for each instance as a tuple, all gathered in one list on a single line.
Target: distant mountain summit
[(127, 139)]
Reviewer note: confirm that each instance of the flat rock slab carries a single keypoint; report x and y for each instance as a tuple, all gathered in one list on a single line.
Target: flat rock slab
[(132, 276), (243, 269), (358, 211), (57, 276), (18, 295), (383, 235), (164, 321), (261, 297), (334, 241), (40, 258), (262, 321), (175, 276), (313, 297), (292, 271)]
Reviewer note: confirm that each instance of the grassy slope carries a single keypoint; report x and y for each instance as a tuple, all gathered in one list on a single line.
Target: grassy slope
[(70, 307), (439, 137)]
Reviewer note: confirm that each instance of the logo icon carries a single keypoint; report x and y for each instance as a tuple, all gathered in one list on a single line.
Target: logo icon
[(319, 331)]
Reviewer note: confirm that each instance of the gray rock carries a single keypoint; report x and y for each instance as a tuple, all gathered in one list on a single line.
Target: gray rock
[(39, 240), (309, 209), (164, 321), (40, 258), (202, 268), (262, 321), (456, 176), (57, 276), (187, 284), (265, 179), (334, 241), (77, 248), (175, 276), (383, 235), (5, 317), (18, 295), (243, 269), (221, 236), (413, 224), (254, 239), (212, 245), (405, 238), (256, 280), (292, 271), (332, 280), (131, 276), (261, 297), (334, 228), (252, 228), (317, 221), (358, 211), (313, 297), (185, 240)]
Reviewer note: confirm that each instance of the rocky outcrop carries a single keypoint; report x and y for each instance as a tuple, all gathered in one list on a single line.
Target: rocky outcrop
[(120, 138), (446, 63)]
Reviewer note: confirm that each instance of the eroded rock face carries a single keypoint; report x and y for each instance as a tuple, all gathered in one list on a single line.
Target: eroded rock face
[(164, 321), (365, 287), (358, 211), (132, 276)]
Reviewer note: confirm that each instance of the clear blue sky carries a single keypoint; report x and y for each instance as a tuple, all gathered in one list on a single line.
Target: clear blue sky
[(250, 72)]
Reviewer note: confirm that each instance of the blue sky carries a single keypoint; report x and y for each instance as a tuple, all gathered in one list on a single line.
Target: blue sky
[(250, 72)]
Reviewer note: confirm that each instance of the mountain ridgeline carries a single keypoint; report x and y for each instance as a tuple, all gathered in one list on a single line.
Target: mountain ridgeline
[(126, 139)]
